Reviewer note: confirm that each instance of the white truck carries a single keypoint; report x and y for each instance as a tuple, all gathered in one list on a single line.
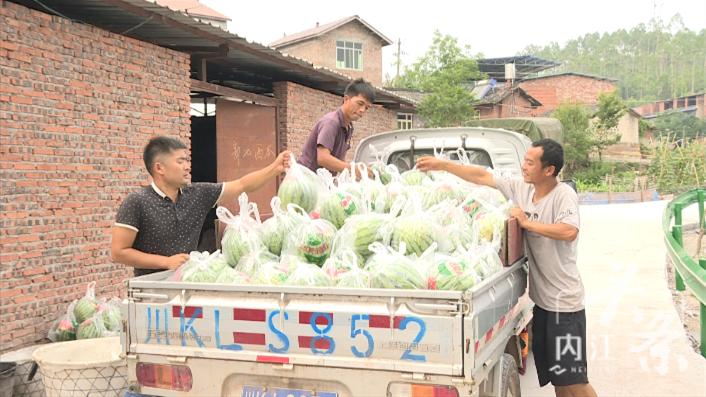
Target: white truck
[(274, 341)]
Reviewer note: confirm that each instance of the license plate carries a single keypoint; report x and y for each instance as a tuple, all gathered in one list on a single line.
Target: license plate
[(260, 391)]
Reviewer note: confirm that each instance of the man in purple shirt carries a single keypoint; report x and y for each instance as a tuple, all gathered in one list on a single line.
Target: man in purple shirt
[(330, 138)]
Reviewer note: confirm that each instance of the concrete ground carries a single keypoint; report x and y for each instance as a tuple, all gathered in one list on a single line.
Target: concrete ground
[(636, 343)]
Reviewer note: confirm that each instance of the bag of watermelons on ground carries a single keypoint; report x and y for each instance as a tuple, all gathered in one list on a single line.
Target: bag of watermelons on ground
[(336, 205), (300, 186), (82, 309), (111, 316), (277, 228), (63, 329), (92, 328), (201, 267), (311, 239), (242, 233), (392, 269)]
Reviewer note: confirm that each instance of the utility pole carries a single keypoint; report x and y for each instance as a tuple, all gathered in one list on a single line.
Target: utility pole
[(399, 56)]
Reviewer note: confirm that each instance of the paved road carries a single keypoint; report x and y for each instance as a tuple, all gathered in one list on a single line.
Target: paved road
[(636, 346)]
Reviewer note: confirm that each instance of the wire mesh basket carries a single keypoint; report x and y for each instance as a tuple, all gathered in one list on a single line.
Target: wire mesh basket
[(87, 367)]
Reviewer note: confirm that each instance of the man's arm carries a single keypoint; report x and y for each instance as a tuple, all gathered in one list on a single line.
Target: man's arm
[(555, 231), (121, 251), (325, 159), (471, 173), (255, 179)]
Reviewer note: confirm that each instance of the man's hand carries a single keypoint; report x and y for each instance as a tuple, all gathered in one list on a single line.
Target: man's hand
[(282, 162), (429, 163), (174, 261), (358, 173), (519, 214)]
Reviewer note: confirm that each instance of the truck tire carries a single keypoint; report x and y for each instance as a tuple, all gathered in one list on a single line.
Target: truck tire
[(510, 381)]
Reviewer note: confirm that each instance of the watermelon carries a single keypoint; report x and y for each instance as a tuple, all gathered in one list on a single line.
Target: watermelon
[(65, 331), (437, 194), (237, 243), (308, 275), (413, 177), (357, 278), (91, 328), (112, 320), (300, 187), (272, 273), (275, 230), (363, 231), (250, 263), (416, 233), (338, 206), (448, 273), (231, 276), (490, 225), (380, 169), (341, 263), (84, 309), (312, 240), (393, 271)]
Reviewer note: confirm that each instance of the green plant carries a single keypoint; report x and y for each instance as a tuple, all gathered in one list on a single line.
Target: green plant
[(678, 165)]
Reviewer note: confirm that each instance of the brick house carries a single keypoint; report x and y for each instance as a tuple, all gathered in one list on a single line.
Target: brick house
[(80, 95), (350, 46), (692, 104), (553, 90)]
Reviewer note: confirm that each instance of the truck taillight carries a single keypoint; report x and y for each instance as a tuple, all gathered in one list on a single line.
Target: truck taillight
[(422, 390), (162, 376)]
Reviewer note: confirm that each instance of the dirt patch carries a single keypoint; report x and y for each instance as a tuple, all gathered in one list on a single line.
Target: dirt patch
[(686, 303)]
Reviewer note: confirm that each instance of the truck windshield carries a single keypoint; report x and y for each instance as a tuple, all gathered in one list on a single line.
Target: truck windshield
[(402, 161)]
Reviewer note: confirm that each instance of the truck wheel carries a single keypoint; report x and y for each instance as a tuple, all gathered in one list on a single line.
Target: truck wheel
[(510, 383)]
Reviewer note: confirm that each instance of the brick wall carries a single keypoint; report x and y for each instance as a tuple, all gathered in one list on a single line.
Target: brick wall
[(322, 51), (77, 105), (300, 108), (552, 91)]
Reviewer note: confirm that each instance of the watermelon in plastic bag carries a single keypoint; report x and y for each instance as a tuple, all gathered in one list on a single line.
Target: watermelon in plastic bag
[(275, 230), (242, 232), (308, 275), (300, 186), (392, 269)]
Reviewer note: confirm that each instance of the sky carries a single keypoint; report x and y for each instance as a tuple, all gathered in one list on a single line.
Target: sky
[(491, 28)]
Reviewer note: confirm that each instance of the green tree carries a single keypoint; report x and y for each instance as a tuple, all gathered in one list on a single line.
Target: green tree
[(605, 129), (444, 73), (679, 125), (577, 139), (652, 61)]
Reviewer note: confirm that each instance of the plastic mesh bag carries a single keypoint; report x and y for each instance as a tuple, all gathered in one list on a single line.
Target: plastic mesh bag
[(242, 232)]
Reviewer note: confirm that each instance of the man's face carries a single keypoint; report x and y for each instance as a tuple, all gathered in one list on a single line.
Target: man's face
[(355, 107), (532, 169), (174, 168)]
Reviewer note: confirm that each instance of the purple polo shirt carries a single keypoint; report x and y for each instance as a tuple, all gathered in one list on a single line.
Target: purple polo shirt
[(331, 133)]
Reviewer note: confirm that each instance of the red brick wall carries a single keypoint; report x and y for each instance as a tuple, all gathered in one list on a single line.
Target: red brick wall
[(322, 51), (552, 91), (77, 105), (300, 108)]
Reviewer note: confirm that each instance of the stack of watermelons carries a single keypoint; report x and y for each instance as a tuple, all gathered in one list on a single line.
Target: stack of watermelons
[(409, 230), (88, 317)]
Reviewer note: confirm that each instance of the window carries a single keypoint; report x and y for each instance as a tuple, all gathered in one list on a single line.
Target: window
[(349, 55), (668, 104), (691, 101), (403, 161), (404, 121)]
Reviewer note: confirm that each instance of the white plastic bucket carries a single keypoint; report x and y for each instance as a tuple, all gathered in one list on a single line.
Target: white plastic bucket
[(87, 367)]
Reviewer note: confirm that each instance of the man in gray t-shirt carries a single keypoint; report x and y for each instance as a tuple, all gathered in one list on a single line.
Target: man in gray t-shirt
[(548, 212), (331, 136)]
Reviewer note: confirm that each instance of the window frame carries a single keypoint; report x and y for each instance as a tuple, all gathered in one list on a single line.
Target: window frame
[(350, 51), (408, 121)]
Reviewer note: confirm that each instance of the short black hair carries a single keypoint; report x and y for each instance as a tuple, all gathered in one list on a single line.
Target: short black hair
[(360, 87), (157, 146), (553, 154)]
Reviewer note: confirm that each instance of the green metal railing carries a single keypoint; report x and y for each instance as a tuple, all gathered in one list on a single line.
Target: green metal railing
[(688, 272)]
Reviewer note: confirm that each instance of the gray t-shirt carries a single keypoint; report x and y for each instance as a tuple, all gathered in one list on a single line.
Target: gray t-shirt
[(554, 279), (331, 133)]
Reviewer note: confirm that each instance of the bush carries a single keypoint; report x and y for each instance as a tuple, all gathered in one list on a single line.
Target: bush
[(678, 167)]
